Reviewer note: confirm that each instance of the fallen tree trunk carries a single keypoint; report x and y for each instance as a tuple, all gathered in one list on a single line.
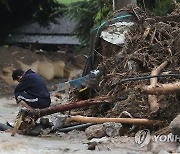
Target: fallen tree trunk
[(161, 89), (154, 106), (65, 107), (95, 120)]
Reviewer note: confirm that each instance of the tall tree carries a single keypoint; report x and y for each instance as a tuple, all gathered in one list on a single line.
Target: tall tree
[(88, 14), (15, 12)]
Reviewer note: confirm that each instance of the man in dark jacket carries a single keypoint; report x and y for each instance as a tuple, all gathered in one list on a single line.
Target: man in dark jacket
[(31, 92)]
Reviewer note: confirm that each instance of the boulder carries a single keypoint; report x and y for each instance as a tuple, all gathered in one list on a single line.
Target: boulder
[(95, 131), (110, 129), (175, 125)]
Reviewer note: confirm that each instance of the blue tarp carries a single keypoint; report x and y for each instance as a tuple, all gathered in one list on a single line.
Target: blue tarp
[(78, 83)]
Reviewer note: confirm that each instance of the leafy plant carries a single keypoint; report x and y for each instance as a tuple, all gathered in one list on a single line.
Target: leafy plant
[(88, 14), (47, 11), (163, 7), (68, 1), (105, 11), (84, 14)]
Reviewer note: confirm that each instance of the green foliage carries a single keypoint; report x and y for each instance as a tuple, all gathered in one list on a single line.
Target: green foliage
[(84, 14), (103, 15), (163, 7), (146, 4), (47, 11), (88, 14), (105, 11), (68, 1)]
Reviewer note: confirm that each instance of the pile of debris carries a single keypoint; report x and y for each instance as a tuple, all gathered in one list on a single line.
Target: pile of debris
[(151, 48), (137, 84)]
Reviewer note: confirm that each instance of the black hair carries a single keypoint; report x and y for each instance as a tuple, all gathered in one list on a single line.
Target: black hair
[(16, 73)]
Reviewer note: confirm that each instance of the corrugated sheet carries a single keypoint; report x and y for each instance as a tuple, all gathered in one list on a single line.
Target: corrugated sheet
[(63, 26), (44, 39), (55, 33)]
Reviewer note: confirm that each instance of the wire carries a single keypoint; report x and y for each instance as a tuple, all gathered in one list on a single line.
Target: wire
[(146, 77)]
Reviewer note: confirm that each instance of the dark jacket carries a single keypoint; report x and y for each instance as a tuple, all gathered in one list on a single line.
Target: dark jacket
[(32, 84)]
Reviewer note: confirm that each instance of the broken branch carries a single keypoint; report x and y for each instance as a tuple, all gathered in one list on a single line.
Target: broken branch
[(161, 89), (154, 106), (65, 107), (95, 120)]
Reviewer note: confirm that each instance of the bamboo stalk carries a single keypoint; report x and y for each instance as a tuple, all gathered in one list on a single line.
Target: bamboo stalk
[(95, 120)]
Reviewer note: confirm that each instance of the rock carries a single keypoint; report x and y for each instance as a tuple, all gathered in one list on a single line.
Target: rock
[(112, 129), (35, 131), (45, 132), (45, 123), (100, 140), (95, 131), (175, 125), (59, 122), (92, 146)]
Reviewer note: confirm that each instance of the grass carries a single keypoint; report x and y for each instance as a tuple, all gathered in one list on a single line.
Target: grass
[(68, 1)]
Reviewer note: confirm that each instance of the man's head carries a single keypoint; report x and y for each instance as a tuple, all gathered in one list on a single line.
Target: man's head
[(17, 74)]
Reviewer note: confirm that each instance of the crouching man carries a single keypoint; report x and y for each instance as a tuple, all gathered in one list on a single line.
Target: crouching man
[(31, 92)]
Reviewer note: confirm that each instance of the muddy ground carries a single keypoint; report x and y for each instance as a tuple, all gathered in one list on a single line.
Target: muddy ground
[(72, 142)]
